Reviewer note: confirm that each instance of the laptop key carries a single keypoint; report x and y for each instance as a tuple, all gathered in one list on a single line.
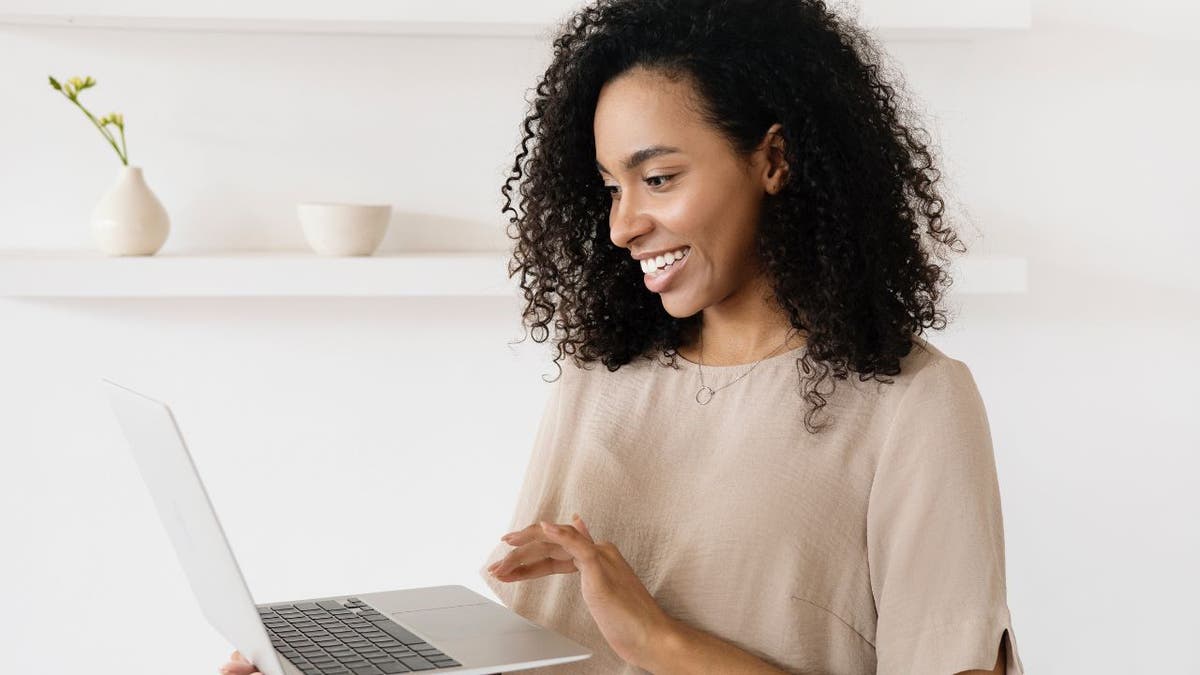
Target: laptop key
[(396, 631), (394, 667), (417, 663)]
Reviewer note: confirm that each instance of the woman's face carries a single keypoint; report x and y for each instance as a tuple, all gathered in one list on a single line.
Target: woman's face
[(677, 184)]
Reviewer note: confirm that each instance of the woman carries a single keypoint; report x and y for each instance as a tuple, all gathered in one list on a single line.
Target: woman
[(720, 202)]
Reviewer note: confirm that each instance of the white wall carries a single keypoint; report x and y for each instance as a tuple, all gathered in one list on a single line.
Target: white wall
[(411, 420)]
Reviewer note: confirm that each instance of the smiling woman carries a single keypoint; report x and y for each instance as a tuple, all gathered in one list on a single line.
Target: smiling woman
[(724, 204), (762, 136)]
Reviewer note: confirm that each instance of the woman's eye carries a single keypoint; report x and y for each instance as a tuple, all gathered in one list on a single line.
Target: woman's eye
[(614, 191)]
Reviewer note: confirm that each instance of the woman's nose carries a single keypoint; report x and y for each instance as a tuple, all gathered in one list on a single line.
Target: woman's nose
[(628, 221)]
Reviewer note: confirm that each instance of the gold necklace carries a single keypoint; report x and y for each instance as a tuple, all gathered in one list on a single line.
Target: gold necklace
[(706, 393)]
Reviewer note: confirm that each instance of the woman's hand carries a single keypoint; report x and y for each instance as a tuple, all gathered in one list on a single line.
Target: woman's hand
[(238, 665), (627, 615)]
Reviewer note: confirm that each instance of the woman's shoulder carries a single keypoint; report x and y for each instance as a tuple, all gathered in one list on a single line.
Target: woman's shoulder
[(924, 359), (926, 362), (929, 378), (926, 367)]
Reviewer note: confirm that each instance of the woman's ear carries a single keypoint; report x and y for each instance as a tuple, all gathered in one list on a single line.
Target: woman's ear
[(775, 170)]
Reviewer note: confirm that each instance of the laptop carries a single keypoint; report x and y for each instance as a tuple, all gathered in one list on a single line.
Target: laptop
[(438, 628)]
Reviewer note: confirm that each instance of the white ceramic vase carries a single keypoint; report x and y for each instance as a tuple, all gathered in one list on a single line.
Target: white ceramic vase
[(129, 220)]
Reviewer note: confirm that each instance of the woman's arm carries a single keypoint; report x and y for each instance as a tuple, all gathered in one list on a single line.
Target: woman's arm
[(684, 649)]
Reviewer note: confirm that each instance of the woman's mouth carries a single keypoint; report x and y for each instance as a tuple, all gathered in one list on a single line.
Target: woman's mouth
[(661, 271)]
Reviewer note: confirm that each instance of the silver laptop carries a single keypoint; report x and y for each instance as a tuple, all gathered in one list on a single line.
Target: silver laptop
[(438, 628)]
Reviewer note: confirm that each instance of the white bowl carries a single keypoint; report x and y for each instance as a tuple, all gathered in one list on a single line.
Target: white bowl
[(343, 229)]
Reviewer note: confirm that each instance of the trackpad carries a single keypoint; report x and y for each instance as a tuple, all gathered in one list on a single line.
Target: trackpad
[(464, 621)]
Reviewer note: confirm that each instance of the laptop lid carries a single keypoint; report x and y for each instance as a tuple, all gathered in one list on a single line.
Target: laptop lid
[(187, 515)]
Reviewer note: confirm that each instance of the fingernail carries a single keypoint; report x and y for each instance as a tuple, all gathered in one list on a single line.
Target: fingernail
[(575, 516), (506, 538)]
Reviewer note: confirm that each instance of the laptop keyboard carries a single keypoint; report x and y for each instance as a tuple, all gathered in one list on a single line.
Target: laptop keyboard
[(347, 638)]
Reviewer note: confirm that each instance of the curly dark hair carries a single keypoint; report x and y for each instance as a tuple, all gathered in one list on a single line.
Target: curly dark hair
[(842, 241)]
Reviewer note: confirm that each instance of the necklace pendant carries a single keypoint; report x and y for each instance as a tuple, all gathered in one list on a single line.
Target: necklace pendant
[(704, 395)]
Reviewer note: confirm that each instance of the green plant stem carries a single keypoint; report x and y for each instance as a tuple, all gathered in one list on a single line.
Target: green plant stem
[(105, 133), (124, 150)]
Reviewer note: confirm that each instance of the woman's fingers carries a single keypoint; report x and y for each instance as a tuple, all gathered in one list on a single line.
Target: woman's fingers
[(528, 553), (539, 568), (238, 665), (522, 536), (533, 532), (581, 526)]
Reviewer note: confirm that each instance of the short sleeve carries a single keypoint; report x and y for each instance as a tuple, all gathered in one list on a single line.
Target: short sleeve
[(935, 534)]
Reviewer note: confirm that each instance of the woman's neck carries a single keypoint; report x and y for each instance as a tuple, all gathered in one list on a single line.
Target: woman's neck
[(740, 331)]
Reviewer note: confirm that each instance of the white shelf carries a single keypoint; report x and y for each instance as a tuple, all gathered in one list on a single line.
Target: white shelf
[(251, 274), (901, 19), (50, 274)]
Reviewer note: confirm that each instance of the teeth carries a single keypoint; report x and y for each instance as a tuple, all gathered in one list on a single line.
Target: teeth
[(657, 263)]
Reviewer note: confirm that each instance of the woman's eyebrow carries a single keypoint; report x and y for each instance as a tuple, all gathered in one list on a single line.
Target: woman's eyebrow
[(640, 156)]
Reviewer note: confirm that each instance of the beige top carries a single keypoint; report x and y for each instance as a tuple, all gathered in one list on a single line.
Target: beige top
[(876, 546)]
